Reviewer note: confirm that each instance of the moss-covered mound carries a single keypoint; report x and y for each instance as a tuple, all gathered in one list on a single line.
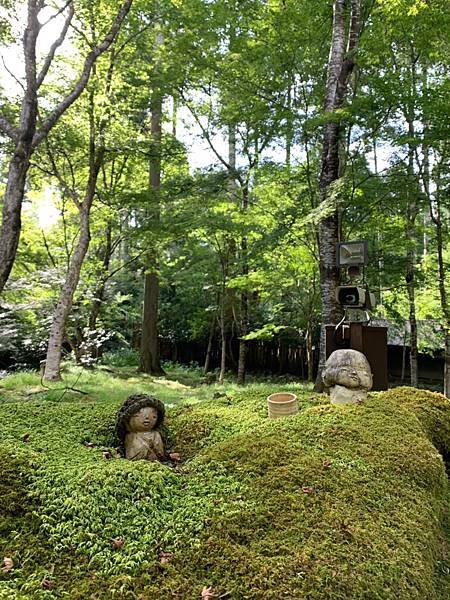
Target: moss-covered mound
[(335, 502)]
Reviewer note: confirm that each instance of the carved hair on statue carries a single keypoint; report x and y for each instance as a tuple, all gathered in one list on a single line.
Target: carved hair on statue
[(342, 359), (130, 407)]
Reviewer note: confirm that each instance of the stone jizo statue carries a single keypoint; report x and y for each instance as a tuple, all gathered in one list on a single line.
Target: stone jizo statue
[(347, 376), (138, 428)]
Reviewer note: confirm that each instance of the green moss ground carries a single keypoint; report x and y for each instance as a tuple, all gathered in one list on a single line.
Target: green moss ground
[(333, 503)]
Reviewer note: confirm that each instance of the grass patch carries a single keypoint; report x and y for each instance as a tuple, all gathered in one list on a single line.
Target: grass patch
[(335, 502)]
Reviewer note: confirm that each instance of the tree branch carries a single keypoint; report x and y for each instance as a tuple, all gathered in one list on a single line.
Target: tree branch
[(90, 59), (50, 255), (7, 128), (125, 264), (207, 137), (56, 172), (12, 74), (61, 10), (54, 46)]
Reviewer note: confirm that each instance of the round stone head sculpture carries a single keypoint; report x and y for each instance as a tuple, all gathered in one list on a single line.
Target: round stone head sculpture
[(138, 428), (347, 376)]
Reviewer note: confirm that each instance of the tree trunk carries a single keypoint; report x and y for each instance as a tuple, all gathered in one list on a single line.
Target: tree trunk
[(405, 339), (20, 160), (309, 354), (226, 300), (410, 274), (443, 292), (224, 317), (447, 364), (100, 290), (62, 311), (150, 354), (12, 208), (289, 122), (212, 330), (242, 355), (436, 217), (340, 66), (150, 361), (413, 350), (244, 303), (223, 343)]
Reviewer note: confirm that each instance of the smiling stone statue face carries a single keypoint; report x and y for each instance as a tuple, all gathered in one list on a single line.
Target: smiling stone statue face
[(348, 376), (144, 420)]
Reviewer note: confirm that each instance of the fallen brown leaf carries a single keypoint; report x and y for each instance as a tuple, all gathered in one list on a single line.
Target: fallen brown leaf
[(164, 557), (47, 584), (89, 444), (117, 543), (8, 565), (25, 437), (175, 456), (106, 455), (207, 593), (307, 489), (326, 464)]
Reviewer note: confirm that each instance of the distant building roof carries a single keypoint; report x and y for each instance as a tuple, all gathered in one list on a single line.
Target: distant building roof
[(430, 336)]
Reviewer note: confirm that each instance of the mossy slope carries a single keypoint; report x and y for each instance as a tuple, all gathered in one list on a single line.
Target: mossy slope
[(336, 502)]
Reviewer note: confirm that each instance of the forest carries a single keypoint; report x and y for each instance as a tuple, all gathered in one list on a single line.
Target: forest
[(176, 176), (180, 182)]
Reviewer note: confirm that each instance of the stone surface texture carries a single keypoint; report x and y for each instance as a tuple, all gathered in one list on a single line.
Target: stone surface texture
[(347, 376)]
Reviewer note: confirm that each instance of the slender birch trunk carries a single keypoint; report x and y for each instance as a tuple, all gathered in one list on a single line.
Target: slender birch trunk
[(63, 308)]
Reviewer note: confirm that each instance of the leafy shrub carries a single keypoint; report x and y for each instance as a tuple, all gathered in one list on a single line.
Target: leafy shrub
[(125, 357)]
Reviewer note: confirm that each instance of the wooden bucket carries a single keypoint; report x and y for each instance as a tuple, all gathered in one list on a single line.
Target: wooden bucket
[(282, 404)]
